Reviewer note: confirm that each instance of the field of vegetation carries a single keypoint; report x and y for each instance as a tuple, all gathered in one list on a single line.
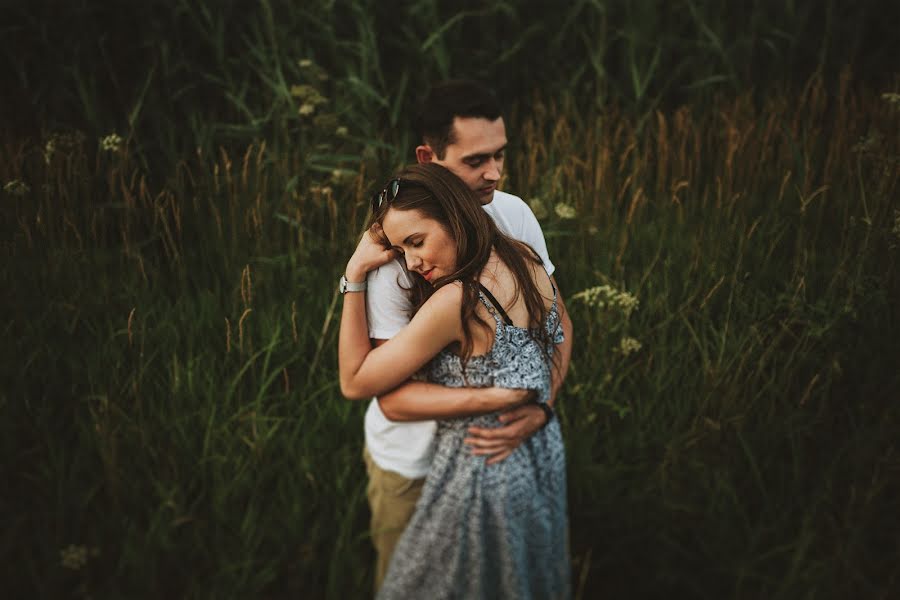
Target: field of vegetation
[(181, 184)]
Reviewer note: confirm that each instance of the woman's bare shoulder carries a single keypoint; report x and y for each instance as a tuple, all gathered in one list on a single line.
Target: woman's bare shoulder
[(446, 297), (542, 280)]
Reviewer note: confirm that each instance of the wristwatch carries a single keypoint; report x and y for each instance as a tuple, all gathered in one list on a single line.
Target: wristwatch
[(548, 412), (350, 286)]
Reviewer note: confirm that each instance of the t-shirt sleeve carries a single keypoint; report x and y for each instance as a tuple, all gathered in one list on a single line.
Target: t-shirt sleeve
[(387, 304), (533, 235)]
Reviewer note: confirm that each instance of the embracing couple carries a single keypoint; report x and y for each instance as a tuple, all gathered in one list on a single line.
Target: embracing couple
[(453, 320)]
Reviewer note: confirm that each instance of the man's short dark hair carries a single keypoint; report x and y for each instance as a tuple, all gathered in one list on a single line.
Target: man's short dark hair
[(450, 99)]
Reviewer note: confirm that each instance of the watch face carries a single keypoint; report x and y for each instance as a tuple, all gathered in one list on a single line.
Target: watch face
[(342, 287)]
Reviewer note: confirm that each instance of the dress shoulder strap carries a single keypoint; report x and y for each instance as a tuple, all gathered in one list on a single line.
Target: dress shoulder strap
[(496, 305)]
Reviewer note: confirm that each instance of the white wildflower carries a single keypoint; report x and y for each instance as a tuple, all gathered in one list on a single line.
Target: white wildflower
[(111, 143), (626, 302), (565, 211), (891, 98), (308, 94), (74, 557), (305, 63), (538, 208), (307, 109), (606, 296), (628, 345), (49, 150), (16, 187), (596, 296)]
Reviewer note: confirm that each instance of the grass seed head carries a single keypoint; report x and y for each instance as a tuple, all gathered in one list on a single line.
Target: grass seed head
[(17, 188)]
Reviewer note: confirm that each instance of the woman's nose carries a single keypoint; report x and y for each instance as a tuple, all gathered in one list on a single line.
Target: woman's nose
[(412, 262)]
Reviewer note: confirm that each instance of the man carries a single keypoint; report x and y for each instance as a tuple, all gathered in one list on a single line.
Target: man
[(460, 128)]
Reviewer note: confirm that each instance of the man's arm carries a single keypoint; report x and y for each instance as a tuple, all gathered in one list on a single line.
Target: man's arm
[(563, 352)]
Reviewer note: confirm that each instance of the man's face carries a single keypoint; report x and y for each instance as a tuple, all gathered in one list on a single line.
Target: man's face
[(476, 156)]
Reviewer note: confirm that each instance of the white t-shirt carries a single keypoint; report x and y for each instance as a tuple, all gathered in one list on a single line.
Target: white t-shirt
[(406, 447)]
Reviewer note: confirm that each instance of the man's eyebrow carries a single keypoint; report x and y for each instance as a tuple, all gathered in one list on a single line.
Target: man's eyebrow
[(484, 154)]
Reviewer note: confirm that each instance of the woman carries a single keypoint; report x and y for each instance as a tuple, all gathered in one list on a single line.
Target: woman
[(487, 316)]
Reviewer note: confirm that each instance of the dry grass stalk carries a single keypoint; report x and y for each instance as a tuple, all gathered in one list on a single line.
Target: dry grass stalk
[(227, 336), (226, 164), (241, 328), (294, 321), (140, 260), (662, 152), (245, 167), (161, 217), (130, 330), (246, 287), (70, 225)]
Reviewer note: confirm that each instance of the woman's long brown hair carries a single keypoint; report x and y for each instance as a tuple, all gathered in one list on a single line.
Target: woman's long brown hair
[(438, 194)]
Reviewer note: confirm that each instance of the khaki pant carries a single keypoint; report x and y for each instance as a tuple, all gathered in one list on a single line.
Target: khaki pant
[(392, 499)]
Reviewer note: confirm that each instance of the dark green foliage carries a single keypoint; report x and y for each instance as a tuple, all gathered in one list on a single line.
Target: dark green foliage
[(171, 420)]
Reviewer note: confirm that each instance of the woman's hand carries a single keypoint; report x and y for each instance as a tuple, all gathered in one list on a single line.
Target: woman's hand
[(370, 253)]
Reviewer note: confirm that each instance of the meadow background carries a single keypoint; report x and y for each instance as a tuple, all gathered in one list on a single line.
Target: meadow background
[(182, 182)]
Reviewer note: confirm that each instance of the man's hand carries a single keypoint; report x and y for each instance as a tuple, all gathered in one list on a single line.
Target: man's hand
[(499, 443)]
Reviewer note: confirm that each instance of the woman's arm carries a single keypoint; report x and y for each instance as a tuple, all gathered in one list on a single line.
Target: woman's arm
[(423, 401), (367, 372)]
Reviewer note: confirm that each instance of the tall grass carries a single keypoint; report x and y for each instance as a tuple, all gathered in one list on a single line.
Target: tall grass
[(173, 426), (174, 76), (171, 420)]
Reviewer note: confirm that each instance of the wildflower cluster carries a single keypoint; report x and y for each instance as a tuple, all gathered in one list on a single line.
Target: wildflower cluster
[(565, 211), (628, 345), (538, 207), (870, 143), (61, 143), (325, 190), (606, 296), (76, 557), (16, 187), (309, 97), (313, 101), (111, 143)]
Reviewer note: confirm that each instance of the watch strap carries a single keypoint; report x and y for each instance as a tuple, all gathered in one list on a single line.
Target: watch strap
[(548, 412), (351, 286)]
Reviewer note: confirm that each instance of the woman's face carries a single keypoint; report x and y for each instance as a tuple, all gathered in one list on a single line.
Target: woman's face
[(428, 248)]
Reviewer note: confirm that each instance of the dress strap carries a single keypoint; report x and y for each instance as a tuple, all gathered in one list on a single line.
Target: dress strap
[(550, 277), (497, 305)]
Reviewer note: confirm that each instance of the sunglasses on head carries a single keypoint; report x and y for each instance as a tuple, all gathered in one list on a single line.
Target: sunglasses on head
[(389, 192)]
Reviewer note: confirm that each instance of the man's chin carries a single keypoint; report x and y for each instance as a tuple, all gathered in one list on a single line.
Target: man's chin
[(486, 196)]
